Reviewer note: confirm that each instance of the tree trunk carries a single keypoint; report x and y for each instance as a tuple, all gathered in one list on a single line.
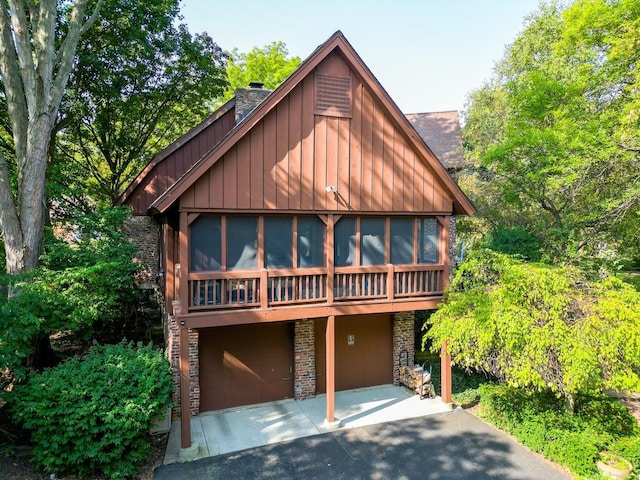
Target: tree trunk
[(570, 403)]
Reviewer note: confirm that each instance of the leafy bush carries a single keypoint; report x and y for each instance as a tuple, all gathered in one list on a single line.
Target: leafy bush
[(539, 421), (540, 326), (93, 414), (514, 241)]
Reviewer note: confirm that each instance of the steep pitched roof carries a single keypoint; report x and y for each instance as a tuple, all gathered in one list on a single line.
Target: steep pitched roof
[(441, 131), (461, 204)]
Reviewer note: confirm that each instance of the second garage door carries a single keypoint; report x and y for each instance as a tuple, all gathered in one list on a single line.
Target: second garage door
[(245, 364), (363, 351)]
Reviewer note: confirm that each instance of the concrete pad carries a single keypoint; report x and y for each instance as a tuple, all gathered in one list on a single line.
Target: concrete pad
[(235, 429)]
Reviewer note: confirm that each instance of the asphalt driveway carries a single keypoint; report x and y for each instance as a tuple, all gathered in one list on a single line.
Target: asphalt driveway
[(453, 445)]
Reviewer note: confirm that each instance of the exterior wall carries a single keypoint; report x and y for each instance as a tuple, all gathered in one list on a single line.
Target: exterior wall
[(304, 360), (143, 233), (403, 339), (173, 349)]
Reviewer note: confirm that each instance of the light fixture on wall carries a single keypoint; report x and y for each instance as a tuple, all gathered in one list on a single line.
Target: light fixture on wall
[(331, 188)]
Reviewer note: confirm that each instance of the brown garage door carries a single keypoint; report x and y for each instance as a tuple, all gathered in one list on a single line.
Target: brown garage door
[(363, 351), (245, 364)]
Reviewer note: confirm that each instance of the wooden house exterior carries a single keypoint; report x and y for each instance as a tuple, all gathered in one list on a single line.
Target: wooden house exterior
[(297, 238)]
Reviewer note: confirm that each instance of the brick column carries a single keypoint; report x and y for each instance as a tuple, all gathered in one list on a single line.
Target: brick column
[(173, 349), (304, 368), (403, 339)]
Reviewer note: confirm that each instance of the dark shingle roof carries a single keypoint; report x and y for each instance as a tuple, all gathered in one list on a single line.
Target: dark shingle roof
[(441, 132)]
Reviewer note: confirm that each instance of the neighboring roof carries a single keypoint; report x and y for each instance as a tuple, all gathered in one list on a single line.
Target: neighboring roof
[(441, 131), (461, 204)]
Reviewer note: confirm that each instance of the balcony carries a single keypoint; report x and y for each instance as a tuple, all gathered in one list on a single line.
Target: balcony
[(268, 288)]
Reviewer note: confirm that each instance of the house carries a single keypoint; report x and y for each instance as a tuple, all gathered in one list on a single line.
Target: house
[(298, 231)]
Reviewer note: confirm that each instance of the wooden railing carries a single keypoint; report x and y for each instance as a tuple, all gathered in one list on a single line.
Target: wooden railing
[(278, 287)]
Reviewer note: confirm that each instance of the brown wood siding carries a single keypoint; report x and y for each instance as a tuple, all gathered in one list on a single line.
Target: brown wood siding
[(167, 171), (367, 362), (289, 158)]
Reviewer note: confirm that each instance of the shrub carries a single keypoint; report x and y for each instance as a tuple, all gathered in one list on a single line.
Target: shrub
[(93, 414), (628, 448)]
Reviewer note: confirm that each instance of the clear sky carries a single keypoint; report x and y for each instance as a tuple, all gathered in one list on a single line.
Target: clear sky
[(428, 54)]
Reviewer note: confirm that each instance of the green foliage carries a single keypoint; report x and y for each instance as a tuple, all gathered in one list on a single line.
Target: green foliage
[(140, 82), (92, 414), (269, 65), (540, 326), (629, 449), (86, 285), (514, 241), (554, 135), (539, 421)]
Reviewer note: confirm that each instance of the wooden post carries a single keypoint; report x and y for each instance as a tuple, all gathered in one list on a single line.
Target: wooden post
[(445, 374), (331, 367), (185, 400), (330, 258)]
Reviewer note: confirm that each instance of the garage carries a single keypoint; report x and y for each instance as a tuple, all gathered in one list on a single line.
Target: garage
[(363, 351), (245, 364)]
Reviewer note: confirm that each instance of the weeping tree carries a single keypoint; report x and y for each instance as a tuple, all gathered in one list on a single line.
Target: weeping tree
[(541, 327), (38, 41)]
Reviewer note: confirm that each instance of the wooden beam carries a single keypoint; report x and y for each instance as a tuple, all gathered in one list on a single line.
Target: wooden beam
[(183, 242), (445, 375), (331, 367), (330, 258)]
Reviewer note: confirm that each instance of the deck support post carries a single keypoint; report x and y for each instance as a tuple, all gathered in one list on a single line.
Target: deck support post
[(445, 367), (331, 421)]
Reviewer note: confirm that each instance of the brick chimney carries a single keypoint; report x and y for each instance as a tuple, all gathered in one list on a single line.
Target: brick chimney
[(249, 98)]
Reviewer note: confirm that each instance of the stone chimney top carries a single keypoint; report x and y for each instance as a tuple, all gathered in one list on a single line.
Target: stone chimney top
[(249, 98)]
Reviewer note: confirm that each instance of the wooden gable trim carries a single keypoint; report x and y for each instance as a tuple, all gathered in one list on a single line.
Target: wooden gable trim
[(174, 146), (461, 204)]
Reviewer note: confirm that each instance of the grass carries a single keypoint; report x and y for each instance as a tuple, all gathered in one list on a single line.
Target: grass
[(599, 427)]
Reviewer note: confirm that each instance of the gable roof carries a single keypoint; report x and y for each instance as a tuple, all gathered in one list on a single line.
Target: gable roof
[(441, 131), (461, 204)]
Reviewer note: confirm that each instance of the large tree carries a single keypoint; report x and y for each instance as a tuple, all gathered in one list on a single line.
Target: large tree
[(38, 41), (555, 133), (269, 64), (141, 81)]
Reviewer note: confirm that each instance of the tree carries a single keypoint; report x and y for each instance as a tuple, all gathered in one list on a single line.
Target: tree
[(141, 81), (38, 41), (542, 327), (268, 65), (554, 134)]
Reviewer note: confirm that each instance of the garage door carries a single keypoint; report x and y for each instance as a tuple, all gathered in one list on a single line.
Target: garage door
[(363, 351), (245, 364)]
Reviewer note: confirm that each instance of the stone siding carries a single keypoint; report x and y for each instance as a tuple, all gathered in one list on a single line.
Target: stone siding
[(403, 339), (142, 231), (304, 360)]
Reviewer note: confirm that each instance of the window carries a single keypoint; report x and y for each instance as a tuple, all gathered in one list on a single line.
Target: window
[(310, 242), (402, 241), (242, 243), (205, 252), (278, 242), (428, 233), (372, 241), (345, 242)]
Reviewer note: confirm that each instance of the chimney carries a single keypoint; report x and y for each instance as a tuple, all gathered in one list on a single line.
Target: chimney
[(249, 98)]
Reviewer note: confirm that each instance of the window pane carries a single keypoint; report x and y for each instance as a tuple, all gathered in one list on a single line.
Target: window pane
[(205, 244), (310, 242), (401, 241), (278, 242), (372, 241), (428, 240), (345, 242), (242, 243)]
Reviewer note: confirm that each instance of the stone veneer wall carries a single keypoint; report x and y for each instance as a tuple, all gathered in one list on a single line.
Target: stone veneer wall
[(173, 348), (403, 339), (142, 231), (304, 360)]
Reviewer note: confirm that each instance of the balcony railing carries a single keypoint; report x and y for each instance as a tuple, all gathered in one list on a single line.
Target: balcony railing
[(279, 287)]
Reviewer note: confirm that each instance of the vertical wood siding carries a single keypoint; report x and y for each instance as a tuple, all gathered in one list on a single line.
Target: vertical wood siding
[(166, 172), (289, 158)]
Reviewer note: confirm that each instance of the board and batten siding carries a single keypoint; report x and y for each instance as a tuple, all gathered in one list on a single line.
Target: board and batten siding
[(170, 168), (286, 161)]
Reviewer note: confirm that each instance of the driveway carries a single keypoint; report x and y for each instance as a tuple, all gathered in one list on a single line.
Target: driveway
[(454, 445)]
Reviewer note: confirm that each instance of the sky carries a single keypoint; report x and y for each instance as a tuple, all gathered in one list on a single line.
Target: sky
[(428, 54)]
